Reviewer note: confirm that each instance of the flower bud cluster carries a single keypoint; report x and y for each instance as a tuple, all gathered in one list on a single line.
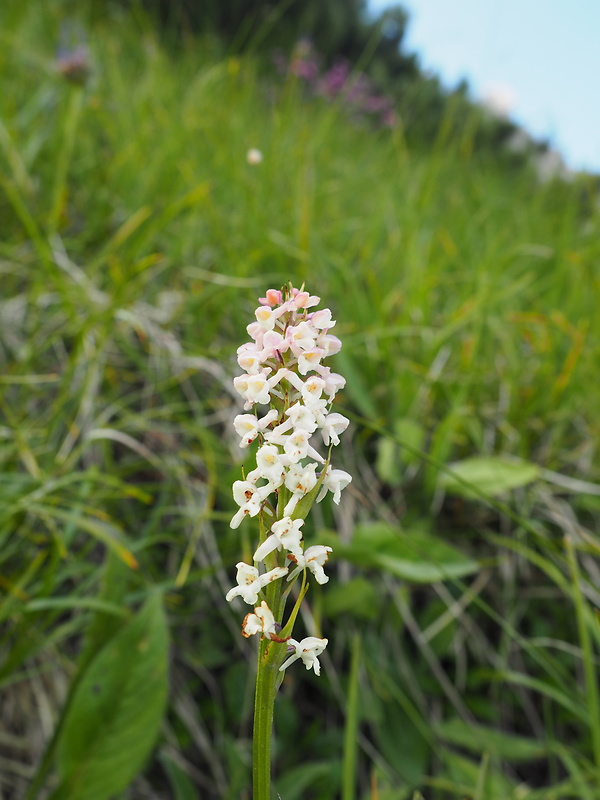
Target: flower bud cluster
[(288, 393)]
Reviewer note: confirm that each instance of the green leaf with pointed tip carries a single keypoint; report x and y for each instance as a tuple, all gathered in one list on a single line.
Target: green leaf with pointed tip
[(413, 555), (488, 475), (116, 712)]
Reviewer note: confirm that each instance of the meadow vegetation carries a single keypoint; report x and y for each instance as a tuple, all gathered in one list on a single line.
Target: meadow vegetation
[(134, 240)]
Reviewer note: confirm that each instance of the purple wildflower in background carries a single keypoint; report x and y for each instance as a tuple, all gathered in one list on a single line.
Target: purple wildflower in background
[(354, 90), (73, 56)]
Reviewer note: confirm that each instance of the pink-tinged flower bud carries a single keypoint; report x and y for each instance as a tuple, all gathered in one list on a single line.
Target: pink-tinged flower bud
[(273, 297)]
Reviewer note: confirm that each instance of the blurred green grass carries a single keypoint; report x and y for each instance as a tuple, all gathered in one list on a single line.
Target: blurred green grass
[(135, 238)]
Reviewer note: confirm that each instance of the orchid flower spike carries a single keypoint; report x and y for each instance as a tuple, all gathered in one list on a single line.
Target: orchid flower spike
[(287, 394)]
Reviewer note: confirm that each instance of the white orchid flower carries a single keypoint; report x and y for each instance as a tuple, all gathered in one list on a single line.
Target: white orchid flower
[(250, 582), (314, 558), (261, 621), (334, 481), (333, 425), (248, 426), (284, 533), (308, 649), (300, 481)]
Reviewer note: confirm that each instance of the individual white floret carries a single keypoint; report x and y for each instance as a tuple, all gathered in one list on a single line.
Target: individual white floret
[(258, 389), (250, 499), (309, 360), (308, 649), (250, 582), (269, 463), (250, 361), (334, 481), (333, 382), (304, 300), (333, 425), (248, 426), (329, 343), (284, 533), (267, 317), (314, 557), (322, 319), (253, 388), (300, 481), (273, 342), (297, 446), (302, 417), (262, 621), (256, 331), (301, 337), (312, 389)]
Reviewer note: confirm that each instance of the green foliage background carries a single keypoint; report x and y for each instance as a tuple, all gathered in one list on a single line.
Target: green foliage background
[(135, 238)]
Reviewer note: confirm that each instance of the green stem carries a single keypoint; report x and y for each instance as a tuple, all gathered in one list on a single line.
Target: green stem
[(352, 721), (264, 703)]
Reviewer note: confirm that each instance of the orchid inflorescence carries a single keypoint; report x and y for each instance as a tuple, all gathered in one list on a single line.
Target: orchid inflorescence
[(284, 371)]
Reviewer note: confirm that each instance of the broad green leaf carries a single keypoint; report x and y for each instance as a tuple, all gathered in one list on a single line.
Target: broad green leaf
[(116, 711), (413, 554), (103, 626), (488, 475), (479, 739)]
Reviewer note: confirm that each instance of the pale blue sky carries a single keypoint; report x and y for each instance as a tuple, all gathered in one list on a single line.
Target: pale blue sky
[(542, 57)]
